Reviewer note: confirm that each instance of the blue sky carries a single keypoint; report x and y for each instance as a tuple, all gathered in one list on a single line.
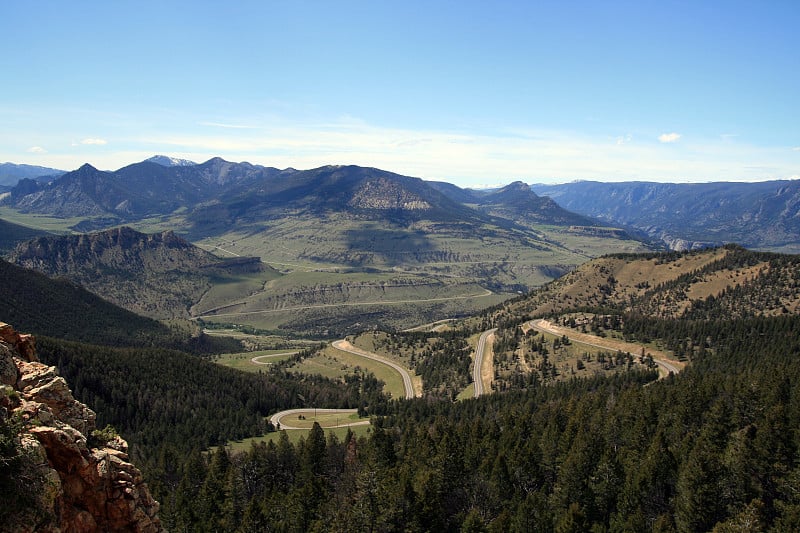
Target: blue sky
[(475, 93)]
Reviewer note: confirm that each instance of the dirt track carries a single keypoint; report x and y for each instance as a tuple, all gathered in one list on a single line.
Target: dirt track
[(664, 362)]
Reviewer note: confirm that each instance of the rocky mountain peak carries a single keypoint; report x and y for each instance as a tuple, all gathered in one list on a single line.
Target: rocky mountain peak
[(76, 478), (86, 168), (167, 161), (382, 193), (518, 186)]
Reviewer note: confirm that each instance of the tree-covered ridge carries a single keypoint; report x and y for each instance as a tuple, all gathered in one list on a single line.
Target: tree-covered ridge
[(159, 275), (441, 358)]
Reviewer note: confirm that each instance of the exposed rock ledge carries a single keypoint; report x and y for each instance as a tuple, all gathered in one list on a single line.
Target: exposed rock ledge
[(82, 488)]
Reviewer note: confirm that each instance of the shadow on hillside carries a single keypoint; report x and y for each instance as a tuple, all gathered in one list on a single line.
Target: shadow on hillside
[(390, 247)]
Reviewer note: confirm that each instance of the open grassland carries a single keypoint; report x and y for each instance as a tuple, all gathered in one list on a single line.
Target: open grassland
[(336, 364), (588, 245), (339, 271), (339, 319), (467, 393), (336, 275), (325, 420), (513, 257), (376, 342), (41, 222), (269, 292), (257, 361), (295, 435)]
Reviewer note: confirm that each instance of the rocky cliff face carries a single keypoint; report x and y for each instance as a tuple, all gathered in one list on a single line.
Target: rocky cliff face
[(78, 482)]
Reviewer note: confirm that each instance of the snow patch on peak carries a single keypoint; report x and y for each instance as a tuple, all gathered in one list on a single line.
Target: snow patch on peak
[(168, 161)]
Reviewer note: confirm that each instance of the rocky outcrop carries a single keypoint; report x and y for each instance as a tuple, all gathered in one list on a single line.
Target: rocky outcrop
[(82, 479), (158, 275)]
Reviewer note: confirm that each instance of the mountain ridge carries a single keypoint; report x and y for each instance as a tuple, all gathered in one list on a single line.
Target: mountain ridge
[(760, 215), (12, 173), (158, 275)]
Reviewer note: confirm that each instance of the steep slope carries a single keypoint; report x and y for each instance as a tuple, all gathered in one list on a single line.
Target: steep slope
[(64, 475), (158, 275), (11, 234), (358, 191), (83, 192), (762, 215), (59, 308)]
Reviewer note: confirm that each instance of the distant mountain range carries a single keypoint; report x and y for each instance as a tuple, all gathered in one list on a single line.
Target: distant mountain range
[(133, 192), (11, 173), (763, 215), (218, 193), (347, 236)]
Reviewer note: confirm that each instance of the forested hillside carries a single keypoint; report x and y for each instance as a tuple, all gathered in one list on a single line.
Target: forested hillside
[(158, 397), (60, 309), (712, 447)]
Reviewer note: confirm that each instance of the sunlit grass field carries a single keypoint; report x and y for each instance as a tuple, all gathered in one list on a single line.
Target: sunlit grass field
[(336, 364)]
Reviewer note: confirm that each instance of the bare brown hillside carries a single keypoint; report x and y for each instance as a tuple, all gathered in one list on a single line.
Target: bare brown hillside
[(702, 284)]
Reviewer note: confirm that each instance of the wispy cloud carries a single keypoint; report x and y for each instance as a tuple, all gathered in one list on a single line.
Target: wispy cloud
[(94, 141), (461, 156), (36, 150), (625, 139), (228, 126), (669, 137), (471, 158)]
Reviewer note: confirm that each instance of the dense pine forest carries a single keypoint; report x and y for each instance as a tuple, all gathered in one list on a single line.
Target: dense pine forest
[(713, 448)]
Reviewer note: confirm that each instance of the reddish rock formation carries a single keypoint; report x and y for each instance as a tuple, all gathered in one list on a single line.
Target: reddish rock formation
[(80, 489)]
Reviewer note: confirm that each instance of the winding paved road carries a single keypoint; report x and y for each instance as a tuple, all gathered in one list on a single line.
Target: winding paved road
[(277, 417), (408, 385), (255, 360), (599, 342), (477, 375)]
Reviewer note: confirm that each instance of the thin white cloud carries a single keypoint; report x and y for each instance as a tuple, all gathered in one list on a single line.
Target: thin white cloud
[(468, 159), (228, 126), (459, 156), (94, 141), (669, 137), (625, 139), (796, 149), (36, 150)]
